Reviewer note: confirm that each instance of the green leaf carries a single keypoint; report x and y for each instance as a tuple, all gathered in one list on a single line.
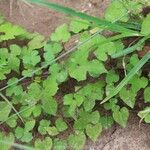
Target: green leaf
[(27, 112), (15, 89), (27, 137), (31, 58), (121, 116), (147, 95), (28, 73), (29, 125), (142, 83), (15, 50), (86, 118), (61, 34), (13, 62), (51, 50), (116, 9), (37, 42), (52, 131), (19, 132), (43, 125), (60, 144), (93, 91), (112, 77), (107, 122), (145, 25), (134, 6), (78, 68), (6, 138), (134, 59), (5, 110), (78, 72), (145, 114), (69, 98), (93, 131), (74, 101), (49, 106), (112, 105), (61, 125), (88, 104), (37, 110), (23, 134), (4, 54), (50, 87), (94, 117), (12, 122), (58, 72), (128, 97), (96, 68), (104, 50), (45, 144), (109, 87), (1, 19), (4, 69), (129, 76), (78, 25), (34, 92), (10, 31), (77, 140)]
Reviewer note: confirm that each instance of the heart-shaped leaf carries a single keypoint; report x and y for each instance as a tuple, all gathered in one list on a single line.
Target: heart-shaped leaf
[(93, 131), (121, 116)]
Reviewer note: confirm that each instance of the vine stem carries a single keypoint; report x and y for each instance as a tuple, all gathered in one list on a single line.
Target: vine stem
[(9, 103)]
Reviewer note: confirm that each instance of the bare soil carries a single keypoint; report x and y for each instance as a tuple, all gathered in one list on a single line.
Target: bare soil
[(44, 21)]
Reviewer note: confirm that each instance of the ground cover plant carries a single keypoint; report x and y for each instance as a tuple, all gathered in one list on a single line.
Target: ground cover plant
[(48, 91)]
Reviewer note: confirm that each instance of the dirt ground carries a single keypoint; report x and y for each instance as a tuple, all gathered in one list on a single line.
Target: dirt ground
[(44, 21)]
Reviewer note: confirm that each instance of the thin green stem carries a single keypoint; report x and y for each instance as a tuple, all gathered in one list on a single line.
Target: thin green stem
[(139, 65), (16, 145), (131, 49), (5, 98), (19, 112)]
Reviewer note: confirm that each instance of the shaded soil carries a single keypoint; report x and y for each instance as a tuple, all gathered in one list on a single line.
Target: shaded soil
[(44, 21)]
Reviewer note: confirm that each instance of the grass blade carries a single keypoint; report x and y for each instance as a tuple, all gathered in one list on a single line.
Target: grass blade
[(1, 95), (100, 22), (16, 145), (131, 49), (139, 65), (19, 112)]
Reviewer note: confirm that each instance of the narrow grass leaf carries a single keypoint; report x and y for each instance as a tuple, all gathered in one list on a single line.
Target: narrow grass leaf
[(16, 145), (100, 22), (9, 103), (131, 49), (128, 77)]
